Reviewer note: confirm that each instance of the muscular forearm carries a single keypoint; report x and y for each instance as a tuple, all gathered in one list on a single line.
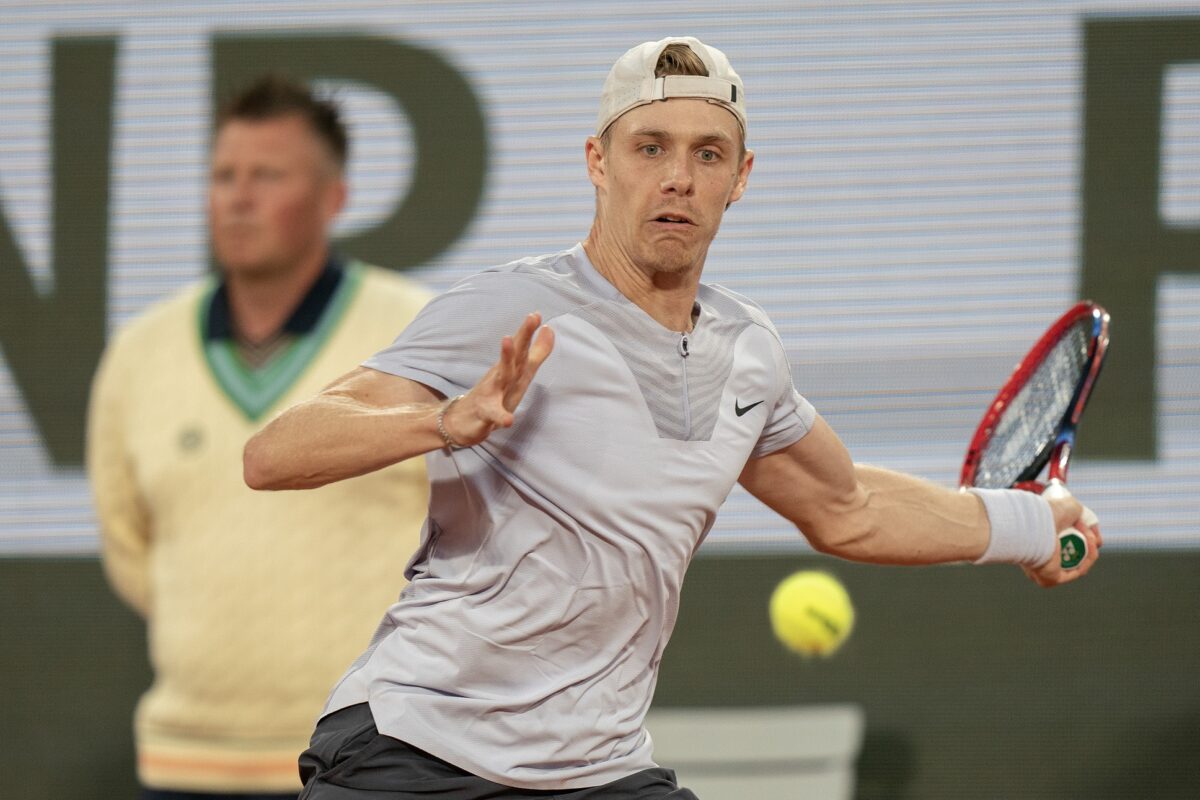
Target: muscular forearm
[(899, 519), (367, 420), (332, 437), (869, 514)]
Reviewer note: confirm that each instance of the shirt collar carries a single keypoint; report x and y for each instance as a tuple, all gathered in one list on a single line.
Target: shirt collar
[(592, 275), (303, 318)]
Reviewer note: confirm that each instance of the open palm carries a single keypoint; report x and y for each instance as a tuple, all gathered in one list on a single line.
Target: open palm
[(490, 403)]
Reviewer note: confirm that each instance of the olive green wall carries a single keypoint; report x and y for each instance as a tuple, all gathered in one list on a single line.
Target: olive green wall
[(975, 683)]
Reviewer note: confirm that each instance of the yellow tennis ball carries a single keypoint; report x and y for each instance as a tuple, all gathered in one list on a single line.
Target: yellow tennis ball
[(811, 613)]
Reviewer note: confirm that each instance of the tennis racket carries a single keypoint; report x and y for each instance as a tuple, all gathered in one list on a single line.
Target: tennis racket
[(1035, 415)]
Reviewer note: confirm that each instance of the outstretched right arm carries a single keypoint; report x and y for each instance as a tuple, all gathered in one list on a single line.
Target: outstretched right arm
[(367, 419)]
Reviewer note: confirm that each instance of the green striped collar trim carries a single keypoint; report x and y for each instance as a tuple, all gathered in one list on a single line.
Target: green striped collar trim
[(254, 391)]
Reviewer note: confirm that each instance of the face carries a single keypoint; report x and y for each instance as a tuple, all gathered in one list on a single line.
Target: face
[(274, 190), (664, 180)]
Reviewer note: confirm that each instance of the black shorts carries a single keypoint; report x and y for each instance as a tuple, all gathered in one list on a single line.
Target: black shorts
[(348, 759)]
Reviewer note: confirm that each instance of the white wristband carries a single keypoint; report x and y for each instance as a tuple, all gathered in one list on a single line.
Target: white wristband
[(1022, 527)]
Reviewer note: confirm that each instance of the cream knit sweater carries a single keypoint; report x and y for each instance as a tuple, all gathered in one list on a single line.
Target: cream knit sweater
[(255, 602)]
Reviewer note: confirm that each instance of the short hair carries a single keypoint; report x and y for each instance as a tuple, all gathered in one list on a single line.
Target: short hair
[(679, 59), (273, 95)]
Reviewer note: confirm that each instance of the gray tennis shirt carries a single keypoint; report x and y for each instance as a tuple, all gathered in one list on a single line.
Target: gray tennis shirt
[(526, 647)]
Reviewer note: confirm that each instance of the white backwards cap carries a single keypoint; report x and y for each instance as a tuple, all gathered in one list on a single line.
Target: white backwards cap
[(632, 83)]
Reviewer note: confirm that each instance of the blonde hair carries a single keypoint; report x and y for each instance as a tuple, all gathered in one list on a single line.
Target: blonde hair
[(679, 59)]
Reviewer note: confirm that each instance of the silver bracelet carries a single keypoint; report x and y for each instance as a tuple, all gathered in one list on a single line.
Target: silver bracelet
[(441, 425)]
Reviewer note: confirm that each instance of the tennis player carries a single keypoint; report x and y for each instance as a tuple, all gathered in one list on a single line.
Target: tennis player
[(574, 477)]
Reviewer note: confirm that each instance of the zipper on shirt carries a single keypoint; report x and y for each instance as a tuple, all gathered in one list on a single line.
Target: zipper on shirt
[(687, 405)]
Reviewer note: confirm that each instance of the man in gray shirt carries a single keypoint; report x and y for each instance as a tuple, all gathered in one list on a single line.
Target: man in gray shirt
[(574, 478)]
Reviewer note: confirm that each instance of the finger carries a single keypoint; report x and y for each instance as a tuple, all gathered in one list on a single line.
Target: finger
[(1064, 505), (520, 349), (490, 390), (538, 353), (542, 347), (1088, 561), (524, 336), (496, 416), (1090, 523), (504, 365), (1093, 553), (514, 351), (1095, 542)]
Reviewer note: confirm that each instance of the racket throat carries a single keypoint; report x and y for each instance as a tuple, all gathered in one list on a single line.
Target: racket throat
[(1060, 459)]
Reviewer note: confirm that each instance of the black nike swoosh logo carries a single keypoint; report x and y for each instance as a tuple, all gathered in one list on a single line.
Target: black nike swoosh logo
[(740, 410)]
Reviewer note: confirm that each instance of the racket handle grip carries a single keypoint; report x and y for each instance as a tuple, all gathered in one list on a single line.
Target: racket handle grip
[(1072, 546)]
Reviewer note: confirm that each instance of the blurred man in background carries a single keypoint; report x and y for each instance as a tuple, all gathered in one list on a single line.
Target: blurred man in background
[(254, 602)]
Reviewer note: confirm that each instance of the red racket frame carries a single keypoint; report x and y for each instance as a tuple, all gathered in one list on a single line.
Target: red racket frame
[(1064, 442)]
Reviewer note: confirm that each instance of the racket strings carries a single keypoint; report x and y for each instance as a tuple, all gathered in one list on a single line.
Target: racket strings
[(1026, 430)]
